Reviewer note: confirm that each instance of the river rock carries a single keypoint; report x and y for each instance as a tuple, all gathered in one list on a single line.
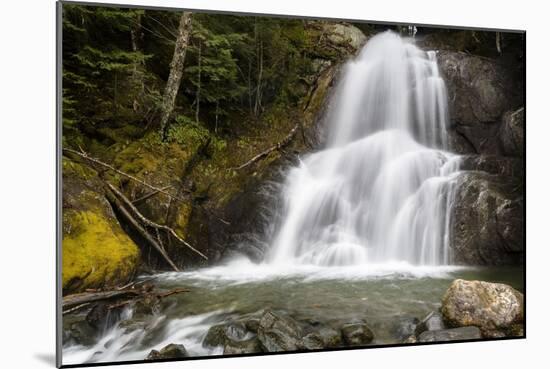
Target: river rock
[(432, 322), (487, 220), (324, 337), (249, 346), (495, 308), (453, 334), (171, 351), (355, 334), (223, 334), (512, 132), (278, 332), (406, 327)]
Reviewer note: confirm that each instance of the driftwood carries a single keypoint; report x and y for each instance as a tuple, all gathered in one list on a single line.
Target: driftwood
[(281, 144), (85, 156), (150, 223), (126, 214), (116, 298)]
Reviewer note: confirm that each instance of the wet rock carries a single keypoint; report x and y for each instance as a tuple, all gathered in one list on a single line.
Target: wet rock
[(497, 309), (278, 332), (432, 322), (406, 327), (410, 339), (171, 351), (249, 346), (225, 334), (512, 132), (480, 90), (82, 333), (355, 334), (252, 324), (453, 334), (100, 317), (324, 337), (494, 165), (487, 220)]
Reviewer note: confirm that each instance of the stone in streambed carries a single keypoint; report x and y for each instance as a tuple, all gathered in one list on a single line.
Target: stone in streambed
[(453, 334), (357, 334), (171, 351), (278, 332), (222, 334), (249, 346), (497, 309), (324, 337), (432, 322)]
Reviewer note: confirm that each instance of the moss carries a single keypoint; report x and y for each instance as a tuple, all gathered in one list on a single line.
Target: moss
[(96, 252), (182, 219)]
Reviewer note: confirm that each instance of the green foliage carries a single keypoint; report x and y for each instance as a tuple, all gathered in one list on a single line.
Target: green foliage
[(187, 132)]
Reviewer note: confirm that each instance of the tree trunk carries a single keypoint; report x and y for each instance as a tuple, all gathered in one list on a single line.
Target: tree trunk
[(197, 111), (176, 71), (136, 37)]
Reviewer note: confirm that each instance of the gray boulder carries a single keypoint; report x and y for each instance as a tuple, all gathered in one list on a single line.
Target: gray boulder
[(171, 351), (432, 322), (497, 309), (453, 334), (279, 332), (323, 337), (249, 346), (222, 334), (356, 334)]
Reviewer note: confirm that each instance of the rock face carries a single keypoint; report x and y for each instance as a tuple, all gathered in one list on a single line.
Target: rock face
[(453, 334), (96, 250), (171, 351), (487, 220), (496, 309), (512, 132), (480, 91)]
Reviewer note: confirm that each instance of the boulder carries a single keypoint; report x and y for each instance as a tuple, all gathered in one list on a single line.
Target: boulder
[(96, 251), (278, 332), (512, 132), (324, 337), (496, 309), (487, 220), (453, 334), (222, 334), (356, 334), (171, 351), (432, 322), (249, 346)]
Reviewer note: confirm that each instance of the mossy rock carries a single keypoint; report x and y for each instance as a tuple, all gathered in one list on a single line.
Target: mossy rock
[(96, 252)]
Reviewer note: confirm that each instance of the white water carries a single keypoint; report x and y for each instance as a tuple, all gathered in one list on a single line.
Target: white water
[(381, 191)]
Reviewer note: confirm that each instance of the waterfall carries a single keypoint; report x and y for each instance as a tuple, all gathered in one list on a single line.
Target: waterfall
[(381, 190)]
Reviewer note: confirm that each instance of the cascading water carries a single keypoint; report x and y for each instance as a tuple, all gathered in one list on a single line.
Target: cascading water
[(381, 190)]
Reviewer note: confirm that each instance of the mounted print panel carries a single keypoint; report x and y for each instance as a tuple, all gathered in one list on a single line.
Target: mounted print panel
[(245, 184)]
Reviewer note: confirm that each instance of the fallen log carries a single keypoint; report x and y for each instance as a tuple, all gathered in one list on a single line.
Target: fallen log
[(142, 231), (281, 144), (150, 223), (115, 298)]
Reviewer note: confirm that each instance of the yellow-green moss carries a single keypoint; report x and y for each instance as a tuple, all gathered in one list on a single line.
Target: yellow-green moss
[(96, 252), (182, 219)]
